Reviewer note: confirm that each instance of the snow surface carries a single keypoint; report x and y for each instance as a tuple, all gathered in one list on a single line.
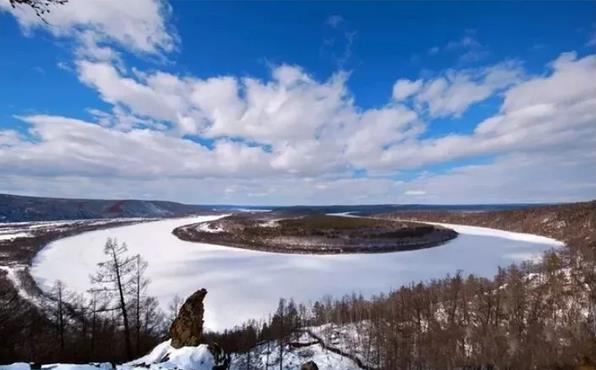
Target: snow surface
[(16, 366), (483, 231), (205, 228), (11, 236), (12, 273), (267, 356), (164, 356), (349, 338), (245, 284)]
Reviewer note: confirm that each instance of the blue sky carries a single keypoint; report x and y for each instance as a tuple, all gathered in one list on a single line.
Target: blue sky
[(300, 102)]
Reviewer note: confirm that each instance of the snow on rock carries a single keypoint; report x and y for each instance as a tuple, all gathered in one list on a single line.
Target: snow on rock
[(164, 356), (156, 355)]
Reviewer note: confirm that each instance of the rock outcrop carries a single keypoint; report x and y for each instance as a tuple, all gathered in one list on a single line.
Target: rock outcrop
[(187, 328)]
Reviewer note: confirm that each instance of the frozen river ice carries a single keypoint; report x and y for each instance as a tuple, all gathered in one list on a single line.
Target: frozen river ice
[(244, 284)]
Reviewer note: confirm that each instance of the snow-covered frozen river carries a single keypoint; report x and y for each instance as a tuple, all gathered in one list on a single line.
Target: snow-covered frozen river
[(245, 284)]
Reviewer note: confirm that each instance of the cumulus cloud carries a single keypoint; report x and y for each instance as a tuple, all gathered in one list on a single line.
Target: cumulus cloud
[(163, 96), (309, 126), (454, 92), (293, 125), (544, 113), (140, 25), (291, 138), (404, 88), (9, 138), (68, 147)]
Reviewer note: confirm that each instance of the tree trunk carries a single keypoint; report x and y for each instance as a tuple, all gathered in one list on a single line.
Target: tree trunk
[(122, 307)]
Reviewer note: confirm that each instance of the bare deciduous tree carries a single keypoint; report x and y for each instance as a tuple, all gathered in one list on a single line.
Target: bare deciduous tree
[(173, 309), (114, 278), (139, 293)]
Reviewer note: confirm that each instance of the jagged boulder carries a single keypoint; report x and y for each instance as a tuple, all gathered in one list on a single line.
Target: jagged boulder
[(187, 328), (310, 365)]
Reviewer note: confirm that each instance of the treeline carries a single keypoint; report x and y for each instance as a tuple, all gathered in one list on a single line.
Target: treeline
[(532, 316), (116, 321)]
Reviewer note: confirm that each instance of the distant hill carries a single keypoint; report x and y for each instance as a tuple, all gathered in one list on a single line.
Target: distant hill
[(371, 209), (16, 208)]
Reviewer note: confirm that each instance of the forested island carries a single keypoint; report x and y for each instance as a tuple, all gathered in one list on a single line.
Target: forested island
[(315, 234)]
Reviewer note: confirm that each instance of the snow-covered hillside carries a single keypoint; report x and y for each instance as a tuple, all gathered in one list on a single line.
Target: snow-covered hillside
[(328, 346), (305, 346)]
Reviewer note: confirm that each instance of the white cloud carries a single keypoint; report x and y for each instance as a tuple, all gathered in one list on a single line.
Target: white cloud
[(90, 48), (294, 139), (544, 113), (163, 97), (513, 178), (140, 25), (404, 88), (569, 84), (305, 122), (69, 147), (9, 138), (453, 93), (415, 192), (561, 176)]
